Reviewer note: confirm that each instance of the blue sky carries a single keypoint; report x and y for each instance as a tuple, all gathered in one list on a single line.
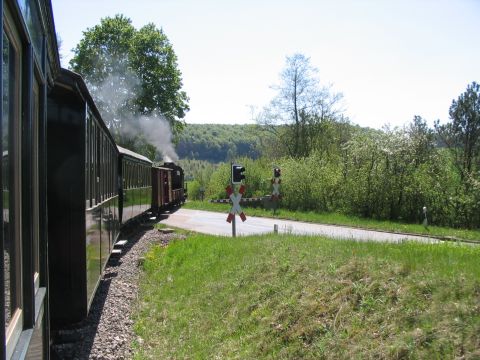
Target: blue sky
[(390, 59)]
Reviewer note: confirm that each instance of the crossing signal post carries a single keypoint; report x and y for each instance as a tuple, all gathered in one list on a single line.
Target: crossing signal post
[(236, 179), (276, 188)]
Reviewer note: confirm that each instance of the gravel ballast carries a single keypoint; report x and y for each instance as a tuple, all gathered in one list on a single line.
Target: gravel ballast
[(107, 333)]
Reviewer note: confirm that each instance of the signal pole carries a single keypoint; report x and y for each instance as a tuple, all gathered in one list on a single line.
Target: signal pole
[(236, 179), (234, 227), (276, 188)]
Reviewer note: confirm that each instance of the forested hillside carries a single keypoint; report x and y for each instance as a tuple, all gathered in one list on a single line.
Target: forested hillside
[(216, 143)]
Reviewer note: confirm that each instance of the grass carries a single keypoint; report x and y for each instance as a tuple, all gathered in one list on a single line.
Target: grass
[(286, 297), (341, 219)]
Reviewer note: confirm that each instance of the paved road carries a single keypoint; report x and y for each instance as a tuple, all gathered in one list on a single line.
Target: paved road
[(215, 223)]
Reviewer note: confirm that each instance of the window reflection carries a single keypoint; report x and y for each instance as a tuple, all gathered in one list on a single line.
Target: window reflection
[(7, 250), (35, 185), (9, 169), (32, 18)]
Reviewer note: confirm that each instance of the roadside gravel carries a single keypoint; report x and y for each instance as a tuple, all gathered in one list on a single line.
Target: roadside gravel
[(107, 332)]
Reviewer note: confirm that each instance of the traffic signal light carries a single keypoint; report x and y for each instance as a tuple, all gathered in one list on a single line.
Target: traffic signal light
[(237, 175), (276, 172)]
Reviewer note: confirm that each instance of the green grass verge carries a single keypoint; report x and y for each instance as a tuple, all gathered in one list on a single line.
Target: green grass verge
[(286, 297), (341, 219)]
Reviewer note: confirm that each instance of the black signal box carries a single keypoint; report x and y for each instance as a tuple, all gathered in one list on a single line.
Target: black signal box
[(276, 172), (237, 173)]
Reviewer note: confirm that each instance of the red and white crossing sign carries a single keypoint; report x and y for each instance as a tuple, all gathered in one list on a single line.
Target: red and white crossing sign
[(276, 188), (235, 203)]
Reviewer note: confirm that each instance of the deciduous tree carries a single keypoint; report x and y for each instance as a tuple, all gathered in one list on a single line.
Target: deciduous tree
[(131, 72), (297, 112)]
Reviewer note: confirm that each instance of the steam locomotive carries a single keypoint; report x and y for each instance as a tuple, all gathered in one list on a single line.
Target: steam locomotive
[(67, 187)]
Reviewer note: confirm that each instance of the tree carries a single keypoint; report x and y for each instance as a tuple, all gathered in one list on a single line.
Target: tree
[(462, 135), (155, 63), (422, 140), (131, 73), (300, 107)]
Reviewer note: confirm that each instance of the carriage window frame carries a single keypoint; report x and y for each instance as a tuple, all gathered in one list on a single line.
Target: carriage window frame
[(102, 166), (93, 160), (14, 327), (105, 168), (87, 159), (109, 166), (127, 166), (107, 163), (126, 175), (137, 175), (97, 163), (36, 185)]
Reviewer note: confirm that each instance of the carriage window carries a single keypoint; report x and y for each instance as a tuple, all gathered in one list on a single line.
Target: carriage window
[(109, 171), (127, 166), (93, 161), (135, 181), (31, 15), (102, 166), (97, 165), (35, 185), (136, 176), (114, 180), (8, 91), (10, 167), (126, 175), (132, 175), (87, 161), (139, 174)]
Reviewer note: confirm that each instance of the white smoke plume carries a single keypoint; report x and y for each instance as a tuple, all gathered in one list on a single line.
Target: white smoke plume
[(115, 96), (156, 130)]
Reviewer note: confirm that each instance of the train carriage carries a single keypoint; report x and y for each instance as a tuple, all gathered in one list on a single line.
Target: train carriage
[(83, 201), (161, 188), (135, 184), (177, 181), (30, 63)]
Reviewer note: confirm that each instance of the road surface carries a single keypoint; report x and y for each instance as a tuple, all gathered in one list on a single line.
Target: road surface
[(214, 223)]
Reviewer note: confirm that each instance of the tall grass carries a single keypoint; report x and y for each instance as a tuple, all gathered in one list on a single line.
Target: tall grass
[(308, 297)]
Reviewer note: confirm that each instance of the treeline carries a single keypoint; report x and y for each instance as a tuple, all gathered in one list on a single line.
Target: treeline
[(389, 175), (218, 143)]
